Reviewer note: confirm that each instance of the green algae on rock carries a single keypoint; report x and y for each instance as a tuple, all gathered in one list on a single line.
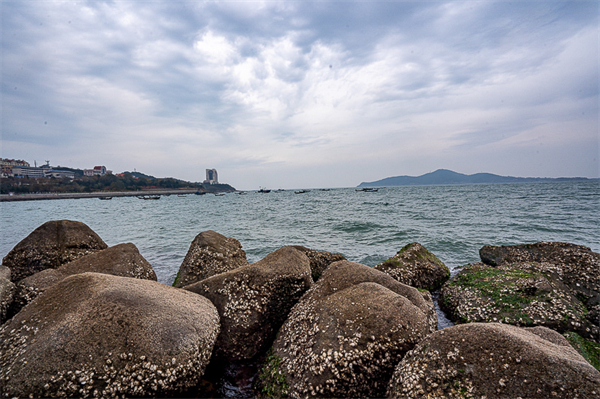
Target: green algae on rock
[(523, 294), (414, 265)]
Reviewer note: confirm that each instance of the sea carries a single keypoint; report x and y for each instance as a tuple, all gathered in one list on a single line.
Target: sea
[(451, 221)]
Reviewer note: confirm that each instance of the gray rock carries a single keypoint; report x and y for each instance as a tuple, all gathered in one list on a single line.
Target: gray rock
[(523, 294), (4, 272), (52, 244), (119, 260), (99, 335), (319, 260), (7, 293), (494, 360), (414, 265), (576, 266), (346, 334), (210, 253), (254, 300)]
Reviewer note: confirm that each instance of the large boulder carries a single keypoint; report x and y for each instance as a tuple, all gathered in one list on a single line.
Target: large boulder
[(494, 360), (106, 336), (523, 294), (577, 266), (414, 265), (210, 253), (254, 300), (7, 295), (119, 260), (319, 260), (346, 334), (52, 244)]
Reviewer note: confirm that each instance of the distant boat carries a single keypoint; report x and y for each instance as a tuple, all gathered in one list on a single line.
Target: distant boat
[(264, 190), (199, 193), (369, 190), (149, 197), (105, 198), (241, 193), (302, 191)]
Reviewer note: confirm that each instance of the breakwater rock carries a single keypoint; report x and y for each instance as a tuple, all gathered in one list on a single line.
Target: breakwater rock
[(120, 260), (52, 244), (299, 323), (494, 360), (414, 265), (99, 335)]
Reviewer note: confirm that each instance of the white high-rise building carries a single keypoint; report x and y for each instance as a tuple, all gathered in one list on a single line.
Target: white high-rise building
[(211, 176)]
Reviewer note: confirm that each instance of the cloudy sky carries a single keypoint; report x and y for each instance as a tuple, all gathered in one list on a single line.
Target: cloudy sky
[(302, 94)]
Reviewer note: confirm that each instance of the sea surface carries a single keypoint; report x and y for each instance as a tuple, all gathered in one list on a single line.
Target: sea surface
[(452, 221)]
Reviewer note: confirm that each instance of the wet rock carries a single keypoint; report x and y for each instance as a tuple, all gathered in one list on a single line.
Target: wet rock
[(576, 266), (494, 361), (119, 260), (254, 300), (7, 293), (210, 253), (319, 260), (414, 265), (52, 244), (99, 335), (523, 294), (346, 334)]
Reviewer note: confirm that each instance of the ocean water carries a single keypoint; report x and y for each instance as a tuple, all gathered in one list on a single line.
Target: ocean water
[(452, 221)]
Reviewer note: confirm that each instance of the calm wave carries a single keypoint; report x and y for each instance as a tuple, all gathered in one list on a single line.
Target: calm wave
[(367, 227)]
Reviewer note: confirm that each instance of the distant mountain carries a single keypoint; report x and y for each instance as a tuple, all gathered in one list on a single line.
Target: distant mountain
[(444, 176)]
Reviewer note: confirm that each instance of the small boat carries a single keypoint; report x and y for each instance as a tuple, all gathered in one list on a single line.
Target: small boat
[(369, 190), (302, 191), (105, 198), (241, 193), (199, 193), (149, 197), (264, 190)]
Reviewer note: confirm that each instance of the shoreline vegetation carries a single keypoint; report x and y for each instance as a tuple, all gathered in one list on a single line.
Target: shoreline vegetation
[(298, 323)]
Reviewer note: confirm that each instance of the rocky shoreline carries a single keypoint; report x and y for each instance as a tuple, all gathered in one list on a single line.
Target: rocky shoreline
[(81, 319)]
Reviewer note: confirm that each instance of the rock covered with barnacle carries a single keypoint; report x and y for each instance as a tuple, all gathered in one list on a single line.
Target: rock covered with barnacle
[(494, 360), (52, 244), (414, 265), (254, 300), (578, 267), (210, 253), (523, 294), (119, 260), (98, 335), (319, 260), (7, 296), (346, 334)]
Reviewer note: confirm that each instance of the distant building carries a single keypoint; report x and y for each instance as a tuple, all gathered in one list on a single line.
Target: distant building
[(97, 171), (13, 162), (211, 176), (67, 174), (27, 171)]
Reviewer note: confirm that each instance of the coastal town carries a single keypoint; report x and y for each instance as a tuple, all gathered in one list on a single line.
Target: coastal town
[(21, 181)]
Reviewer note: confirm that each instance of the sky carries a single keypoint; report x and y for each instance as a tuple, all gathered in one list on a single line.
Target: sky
[(302, 94)]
